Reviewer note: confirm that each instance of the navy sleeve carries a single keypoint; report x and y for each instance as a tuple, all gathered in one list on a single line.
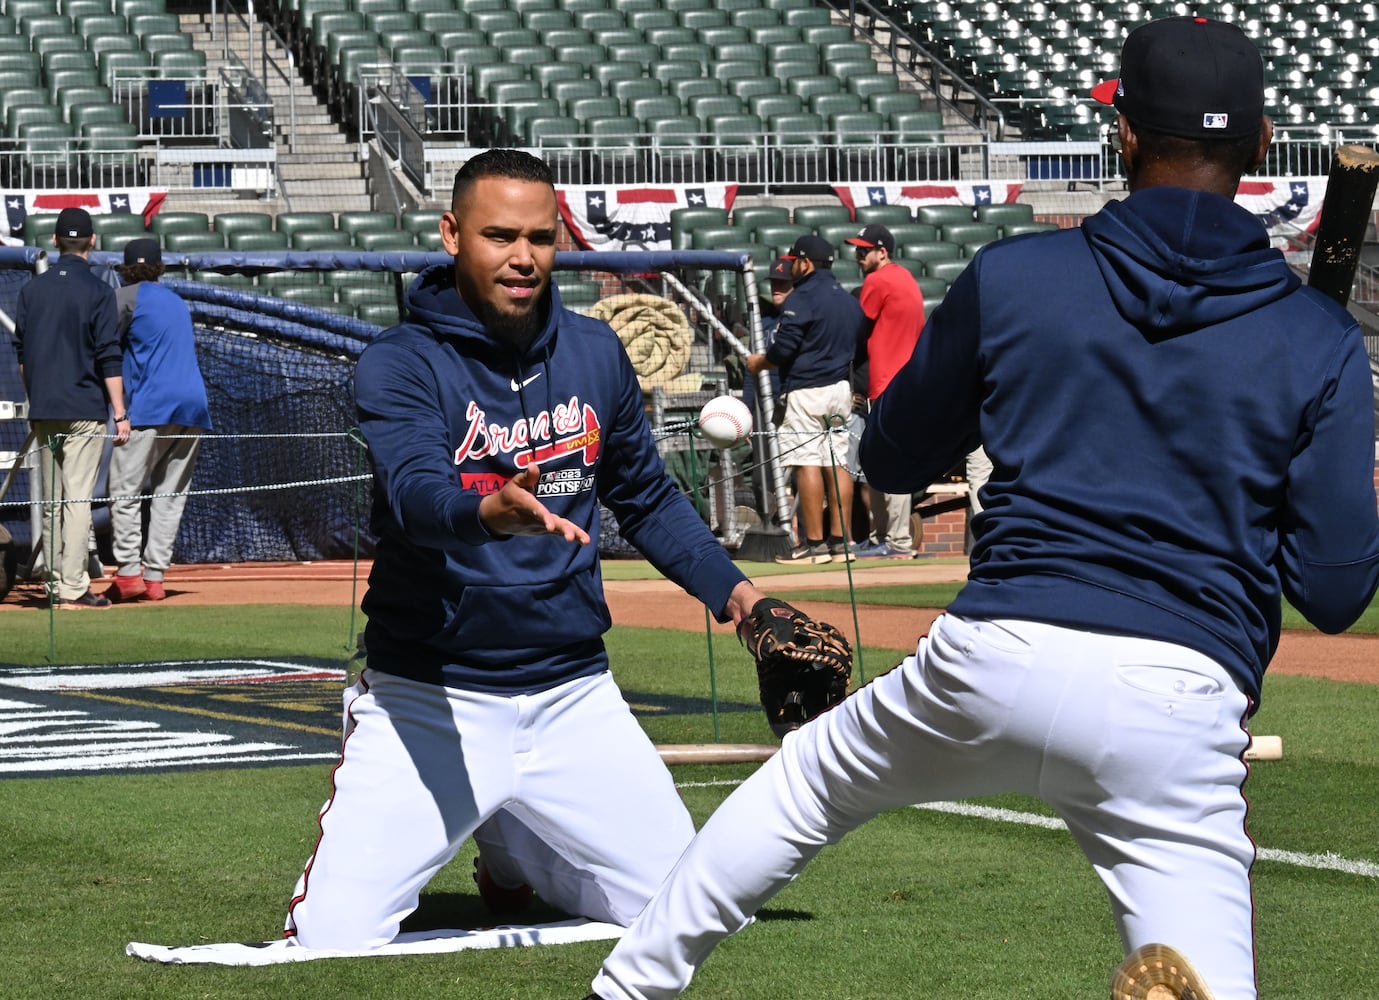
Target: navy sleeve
[(1329, 557), (400, 415), (653, 514), (105, 335), (789, 336), (927, 418)]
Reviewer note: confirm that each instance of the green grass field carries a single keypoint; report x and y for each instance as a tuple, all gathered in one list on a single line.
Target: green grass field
[(915, 904)]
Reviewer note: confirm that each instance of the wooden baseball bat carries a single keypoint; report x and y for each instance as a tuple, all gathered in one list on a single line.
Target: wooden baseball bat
[(1346, 210), (715, 753), (1264, 748)]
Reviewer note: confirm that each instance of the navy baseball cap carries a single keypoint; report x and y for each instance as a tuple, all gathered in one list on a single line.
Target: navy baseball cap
[(142, 251), (814, 248), (74, 223), (875, 235), (780, 269), (1190, 77)]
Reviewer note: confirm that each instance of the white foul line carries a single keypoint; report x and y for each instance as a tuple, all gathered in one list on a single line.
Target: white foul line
[(1327, 862)]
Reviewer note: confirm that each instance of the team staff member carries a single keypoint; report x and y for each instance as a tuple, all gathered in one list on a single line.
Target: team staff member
[(894, 305), (168, 412), (1125, 591), (496, 420), (814, 345), (69, 362)]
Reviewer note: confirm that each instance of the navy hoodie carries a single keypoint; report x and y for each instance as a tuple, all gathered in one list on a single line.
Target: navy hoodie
[(450, 414), (1181, 432)]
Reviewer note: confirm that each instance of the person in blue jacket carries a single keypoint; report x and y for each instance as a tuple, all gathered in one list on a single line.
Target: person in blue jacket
[(496, 420), (168, 411), (1181, 435)]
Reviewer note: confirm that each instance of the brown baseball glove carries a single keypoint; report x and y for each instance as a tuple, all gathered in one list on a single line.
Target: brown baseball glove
[(803, 666)]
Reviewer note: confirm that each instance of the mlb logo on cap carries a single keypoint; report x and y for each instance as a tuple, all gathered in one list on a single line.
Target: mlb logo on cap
[(1217, 121)]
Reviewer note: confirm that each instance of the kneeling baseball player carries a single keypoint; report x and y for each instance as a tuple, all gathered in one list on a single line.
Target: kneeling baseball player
[(496, 421)]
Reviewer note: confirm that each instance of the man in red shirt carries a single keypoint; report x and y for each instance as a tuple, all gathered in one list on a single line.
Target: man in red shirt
[(894, 306)]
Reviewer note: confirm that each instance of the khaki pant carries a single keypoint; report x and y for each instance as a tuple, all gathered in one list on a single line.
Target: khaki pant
[(69, 462)]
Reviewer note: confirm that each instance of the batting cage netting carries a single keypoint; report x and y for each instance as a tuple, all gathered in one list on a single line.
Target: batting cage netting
[(283, 474)]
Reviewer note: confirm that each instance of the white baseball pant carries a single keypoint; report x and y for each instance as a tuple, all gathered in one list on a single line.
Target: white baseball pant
[(572, 797), (1136, 743), (164, 456)]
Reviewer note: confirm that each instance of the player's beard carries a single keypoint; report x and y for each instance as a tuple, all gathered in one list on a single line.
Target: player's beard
[(516, 328)]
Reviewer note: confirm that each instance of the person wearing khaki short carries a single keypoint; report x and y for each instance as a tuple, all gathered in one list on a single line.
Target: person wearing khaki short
[(815, 343)]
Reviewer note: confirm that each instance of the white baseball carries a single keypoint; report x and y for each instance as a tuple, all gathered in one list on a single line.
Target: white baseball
[(725, 421)]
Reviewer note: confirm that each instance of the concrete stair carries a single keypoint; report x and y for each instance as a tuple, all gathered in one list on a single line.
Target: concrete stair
[(319, 168)]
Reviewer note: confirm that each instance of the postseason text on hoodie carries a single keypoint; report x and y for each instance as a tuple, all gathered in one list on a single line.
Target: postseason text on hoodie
[(451, 413), (1181, 433)]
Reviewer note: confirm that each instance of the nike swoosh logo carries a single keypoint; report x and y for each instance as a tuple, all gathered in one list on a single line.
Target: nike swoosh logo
[(526, 381)]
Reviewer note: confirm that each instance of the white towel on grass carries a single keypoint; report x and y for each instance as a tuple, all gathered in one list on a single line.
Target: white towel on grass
[(407, 943)]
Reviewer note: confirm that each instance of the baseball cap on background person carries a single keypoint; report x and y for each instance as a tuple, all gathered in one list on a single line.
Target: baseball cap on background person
[(142, 251), (780, 269), (74, 223), (1189, 77), (814, 248), (874, 235)]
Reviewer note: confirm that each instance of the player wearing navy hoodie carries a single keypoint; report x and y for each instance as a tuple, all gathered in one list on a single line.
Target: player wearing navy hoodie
[(1181, 435), (496, 420)]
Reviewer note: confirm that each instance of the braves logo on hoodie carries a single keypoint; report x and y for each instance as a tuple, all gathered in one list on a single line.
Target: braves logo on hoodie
[(568, 429)]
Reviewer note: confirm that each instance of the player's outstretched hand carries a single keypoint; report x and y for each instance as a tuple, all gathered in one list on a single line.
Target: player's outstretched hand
[(514, 510)]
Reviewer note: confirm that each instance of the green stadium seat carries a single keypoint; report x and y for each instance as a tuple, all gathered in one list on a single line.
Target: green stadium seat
[(153, 23), (887, 215), (518, 116), (19, 9), (627, 89), (809, 86), (180, 64), (684, 221), (166, 41), (231, 280), (781, 237), (932, 289), (689, 52), (118, 64), (929, 251), (675, 143), (75, 59), (578, 294), (33, 26), (913, 232), (941, 215), (91, 25), (836, 232), (60, 81), (1021, 228), (317, 296), (50, 159), (293, 222), (46, 45), (687, 90), (615, 150), (565, 92), (969, 234), (320, 239), (359, 293), (118, 222), (14, 79), (644, 20), (38, 229), (383, 240), (827, 105), (239, 222), (662, 37), (84, 117), (948, 270), (656, 106), (192, 242), (747, 87), (769, 106), (784, 53), (447, 19), (1005, 213), (106, 43), (382, 314), (275, 280), (814, 216), (256, 239), (164, 223), (582, 109), (707, 237), (486, 76), (386, 21), (891, 102), (19, 115), (429, 240), (749, 217)]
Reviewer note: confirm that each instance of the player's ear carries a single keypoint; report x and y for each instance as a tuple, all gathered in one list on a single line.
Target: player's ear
[(1266, 139), (450, 233)]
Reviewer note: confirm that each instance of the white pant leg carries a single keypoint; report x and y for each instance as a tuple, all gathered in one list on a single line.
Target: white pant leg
[(596, 822), (1152, 791), (173, 463), (984, 707), (405, 795), (129, 468)]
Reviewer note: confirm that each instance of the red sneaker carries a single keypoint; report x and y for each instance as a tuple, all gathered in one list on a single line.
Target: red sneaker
[(125, 588), (153, 590)]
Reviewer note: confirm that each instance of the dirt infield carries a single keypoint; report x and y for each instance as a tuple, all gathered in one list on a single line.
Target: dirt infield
[(660, 604)]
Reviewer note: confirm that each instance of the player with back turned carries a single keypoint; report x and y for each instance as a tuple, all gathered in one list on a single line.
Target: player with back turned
[(1181, 436), (496, 422)]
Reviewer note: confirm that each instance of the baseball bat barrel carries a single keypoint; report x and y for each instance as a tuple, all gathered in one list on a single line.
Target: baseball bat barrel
[(1265, 748), (1346, 210), (715, 753)]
